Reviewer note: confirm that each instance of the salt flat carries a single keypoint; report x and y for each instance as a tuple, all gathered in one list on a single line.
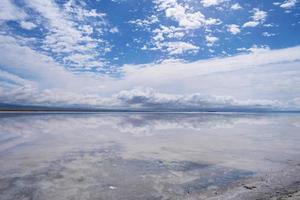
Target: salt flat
[(149, 156)]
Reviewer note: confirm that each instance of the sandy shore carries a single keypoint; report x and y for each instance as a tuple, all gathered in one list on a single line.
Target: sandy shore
[(277, 185)]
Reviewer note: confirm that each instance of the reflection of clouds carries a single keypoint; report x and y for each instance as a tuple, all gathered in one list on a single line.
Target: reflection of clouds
[(75, 129), (135, 123), (242, 140), (15, 130), (23, 126), (147, 123), (98, 171)]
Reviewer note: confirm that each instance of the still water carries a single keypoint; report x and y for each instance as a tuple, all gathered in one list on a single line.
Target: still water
[(132, 156)]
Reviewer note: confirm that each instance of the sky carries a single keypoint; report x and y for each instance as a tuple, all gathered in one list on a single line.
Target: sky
[(154, 54)]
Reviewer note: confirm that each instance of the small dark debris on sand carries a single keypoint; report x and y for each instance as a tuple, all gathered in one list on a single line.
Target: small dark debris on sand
[(249, 187)]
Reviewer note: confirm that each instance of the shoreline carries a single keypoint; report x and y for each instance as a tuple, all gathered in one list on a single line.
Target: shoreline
[(283, 184), (144, 111)]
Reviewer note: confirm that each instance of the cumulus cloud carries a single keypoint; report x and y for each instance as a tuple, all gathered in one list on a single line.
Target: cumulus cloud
[(172, 39), (145, 22), (250, 24), (153, 100), (179, 47), (164, 33), (258, 17), (211, 40), (181, 14), (233, 29), (114, 30), (267, 34), (236, 6), (208, 3), (288, 4), (31, 95), (184, 14), (27, 25), (168, 32)]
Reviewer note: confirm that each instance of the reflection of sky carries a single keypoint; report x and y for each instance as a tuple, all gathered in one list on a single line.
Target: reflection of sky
[(197, 133), (160, 144)]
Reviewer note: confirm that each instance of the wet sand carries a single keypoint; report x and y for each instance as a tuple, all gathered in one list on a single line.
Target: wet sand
[(149, 156)]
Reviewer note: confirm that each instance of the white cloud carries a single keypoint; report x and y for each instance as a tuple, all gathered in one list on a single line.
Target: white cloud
[(250, 76), (184, 14), (8, 11), (236, 6), (259, 49), (288, 4), (145, 22), (140, 98), (86, 29), (144, 47), (255, 49), (243, 81), (267, 34), (184, 18), (27, 25), (213, 21), (40, 68), (233, 29), (165, 33), (258, 17), (114, 30), (172, 38), (180, 47), (269, 25), (12, 79), (250, 24), (69, 31), (173, 48), (148, 98), (32, 95), (208, 3), (211, 40)]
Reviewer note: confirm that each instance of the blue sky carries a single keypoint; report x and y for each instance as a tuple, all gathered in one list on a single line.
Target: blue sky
[(149, 53)]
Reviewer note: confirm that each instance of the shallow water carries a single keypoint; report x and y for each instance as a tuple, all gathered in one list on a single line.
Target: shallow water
[(140, 155)]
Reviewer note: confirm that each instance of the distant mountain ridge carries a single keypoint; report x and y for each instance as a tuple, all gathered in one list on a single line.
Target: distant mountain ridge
[(38, 108)]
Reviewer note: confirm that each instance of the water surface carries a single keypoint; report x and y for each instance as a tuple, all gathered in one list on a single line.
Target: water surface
[(141, 155)]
